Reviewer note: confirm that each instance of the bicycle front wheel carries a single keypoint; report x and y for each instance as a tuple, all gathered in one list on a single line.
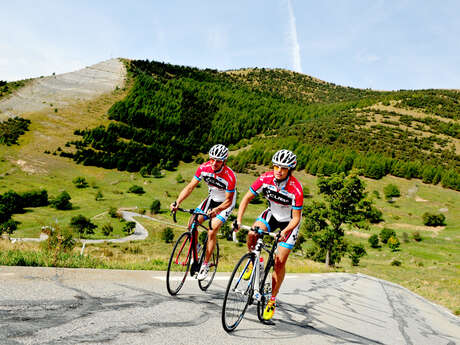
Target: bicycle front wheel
[(238, 294), (179, 264), (213, 262), (265, 291)]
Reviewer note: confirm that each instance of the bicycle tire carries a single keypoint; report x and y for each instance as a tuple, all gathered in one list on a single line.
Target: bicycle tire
[(265, 289), (213, 262), (236, 301), (179, 264)]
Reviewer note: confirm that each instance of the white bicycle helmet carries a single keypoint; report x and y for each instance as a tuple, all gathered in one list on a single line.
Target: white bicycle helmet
[(285, 159), (218, 152)]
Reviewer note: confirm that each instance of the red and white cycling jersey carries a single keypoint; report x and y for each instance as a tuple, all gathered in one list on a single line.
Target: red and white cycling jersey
[(283, 197), (218, 182)]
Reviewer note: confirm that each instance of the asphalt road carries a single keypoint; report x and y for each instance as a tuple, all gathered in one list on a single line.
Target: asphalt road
[(82, 306)]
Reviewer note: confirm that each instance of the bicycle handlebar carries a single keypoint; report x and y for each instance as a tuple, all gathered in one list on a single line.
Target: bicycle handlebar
[(191, 211), (261, 232)]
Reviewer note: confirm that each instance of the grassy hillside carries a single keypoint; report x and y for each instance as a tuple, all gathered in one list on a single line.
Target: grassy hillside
[(174, 112), (332, 128)]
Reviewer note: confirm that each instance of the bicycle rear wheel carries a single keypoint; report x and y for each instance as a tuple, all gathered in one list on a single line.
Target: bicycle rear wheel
[(238, 294), (179, 264), (265, 291), (213, 262)]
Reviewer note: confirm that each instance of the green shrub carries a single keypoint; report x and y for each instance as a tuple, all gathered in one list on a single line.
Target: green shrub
[(374, 241), (167, 235), (112, 212), (374, 215), (8, 227), (202, 237), (199, 160), (376, 194), (128, 228), (35, 198), (62, 201), (356, 252), (298, 244), (179, 178), (391, 191), (396, 263), (241, 235), (99, 196), (156, 172), (83, 225), (385, 234), (155, 206), (59, 241), (416, 236), (226, 231), (432, 219), (80, 182), (107, 229), (393, 243), (136, 189)]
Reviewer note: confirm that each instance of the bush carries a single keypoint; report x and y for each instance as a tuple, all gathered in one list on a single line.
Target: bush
[(62, 201), (35, 198), (374, 241), (59, 241), (385, 234), (241, 235), (416, 236), (298, 244), (8, 227), (396, 263), (167, 235), (155, 206), (199, 160), (374, 215), (99, 196), (136, 189), (107, 229), (393, 243), (306, 192), (431, 219), (202, 237), (156, 172), (113, 212), (391, 191), (179, 178), (83, 225), (376, 194), (356, 252), (128, 228), (80, 182), (226, 231)]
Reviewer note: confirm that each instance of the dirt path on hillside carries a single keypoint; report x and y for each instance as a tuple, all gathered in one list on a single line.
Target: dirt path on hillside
[(61, 90)]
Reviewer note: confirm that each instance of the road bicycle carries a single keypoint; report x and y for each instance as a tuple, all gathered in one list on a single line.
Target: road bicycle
[(188, 255), (241, 293)]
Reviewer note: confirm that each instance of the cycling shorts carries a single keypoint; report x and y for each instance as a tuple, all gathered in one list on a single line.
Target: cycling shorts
[(208, 204), (272, 224)]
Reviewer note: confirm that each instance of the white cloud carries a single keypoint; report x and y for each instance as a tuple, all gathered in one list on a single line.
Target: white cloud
[(293, 40)]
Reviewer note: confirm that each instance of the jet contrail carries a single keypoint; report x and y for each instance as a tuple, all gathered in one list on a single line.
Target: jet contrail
[(295, 48)]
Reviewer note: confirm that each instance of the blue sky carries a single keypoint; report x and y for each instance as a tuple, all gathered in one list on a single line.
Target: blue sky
[(378, 44)]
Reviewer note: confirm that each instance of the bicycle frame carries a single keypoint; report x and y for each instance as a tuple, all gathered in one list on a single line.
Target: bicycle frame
[(193, 230), (255, 277)]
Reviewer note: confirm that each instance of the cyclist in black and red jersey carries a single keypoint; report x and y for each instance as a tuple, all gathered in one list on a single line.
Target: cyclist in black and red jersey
[(221, 200), (285, 197)]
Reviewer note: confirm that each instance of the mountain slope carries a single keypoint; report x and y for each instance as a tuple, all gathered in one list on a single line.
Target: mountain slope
[(174, 112)]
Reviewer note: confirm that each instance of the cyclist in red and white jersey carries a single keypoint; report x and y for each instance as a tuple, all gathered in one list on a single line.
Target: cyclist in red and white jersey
[(221, 199), (285, 197)]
